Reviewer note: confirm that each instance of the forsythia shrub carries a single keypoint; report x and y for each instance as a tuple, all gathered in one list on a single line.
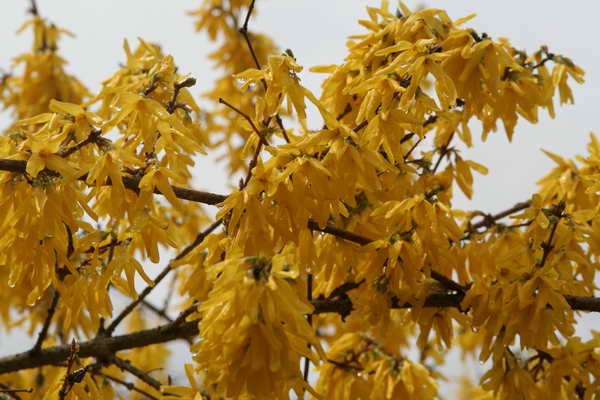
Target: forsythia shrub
[(339, 252)]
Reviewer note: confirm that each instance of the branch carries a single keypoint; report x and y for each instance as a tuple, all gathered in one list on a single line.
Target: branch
[(143, 376), (92, 138), (489, 220), (101, 346), (556, 212), (443, 152), (309, 318), (130, 182), (244, 31), (128, 385), (111, 328), (172, 105), (44, 332), (247, 118), (33, 9), (12, 393)]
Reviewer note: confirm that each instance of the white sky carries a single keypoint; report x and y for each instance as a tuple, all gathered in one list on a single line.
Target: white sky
[(316, 31)]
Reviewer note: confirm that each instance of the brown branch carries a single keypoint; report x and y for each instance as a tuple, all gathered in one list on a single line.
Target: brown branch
[(557, 213), (92, 138), (161, 313), (12, 393), (360, 126), (172, 105), (280, 124), (33, 8), (252, 164), (169, 295), (185, 313), (443, 151), (577, 303), (143, 376), (247, 118), (489, 220), (262, 141), (309, 318), (130, 182), (44, 332), (244, 31), (128, 385), (111, 328), (101, 346), (409, 152)]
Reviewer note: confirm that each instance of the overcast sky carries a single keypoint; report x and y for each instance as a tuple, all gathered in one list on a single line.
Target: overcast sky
[(316, 31)]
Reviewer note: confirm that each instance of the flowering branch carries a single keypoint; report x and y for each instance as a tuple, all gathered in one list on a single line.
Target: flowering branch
[(111, 328)]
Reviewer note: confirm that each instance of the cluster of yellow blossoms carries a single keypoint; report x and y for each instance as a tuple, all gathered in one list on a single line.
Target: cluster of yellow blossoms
[(354, 213)]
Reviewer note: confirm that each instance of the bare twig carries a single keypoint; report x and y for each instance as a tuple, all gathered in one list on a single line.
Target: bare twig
[(128, 385), (360, 126), (244, 31), (157, 311), (169, 295), (443, 151), (185, 313), (280, 124), (247, 118), (44, 332), (253, 163), (10, 392), (409, 152), (489, 220), (33, 8), (143, 376), (102, 346), (68, 381), (309, 318)]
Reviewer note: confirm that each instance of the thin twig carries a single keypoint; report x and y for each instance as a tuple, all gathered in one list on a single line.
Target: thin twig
[(172, 105), (102, 346), (143, 376), (185, 313), (309, 318), (489, 220), (244, 31), (412, 149), (252, 164), (443, 152), (130, 182), (262, 141), (33, 9), (169, 295), (157, 311), (44, 332), (128, 385), (280, 124), (245, 26), (5, 389), (360, 126), (111, 328), (68, 382), (247, 118), (92, 138), (557, 212)]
